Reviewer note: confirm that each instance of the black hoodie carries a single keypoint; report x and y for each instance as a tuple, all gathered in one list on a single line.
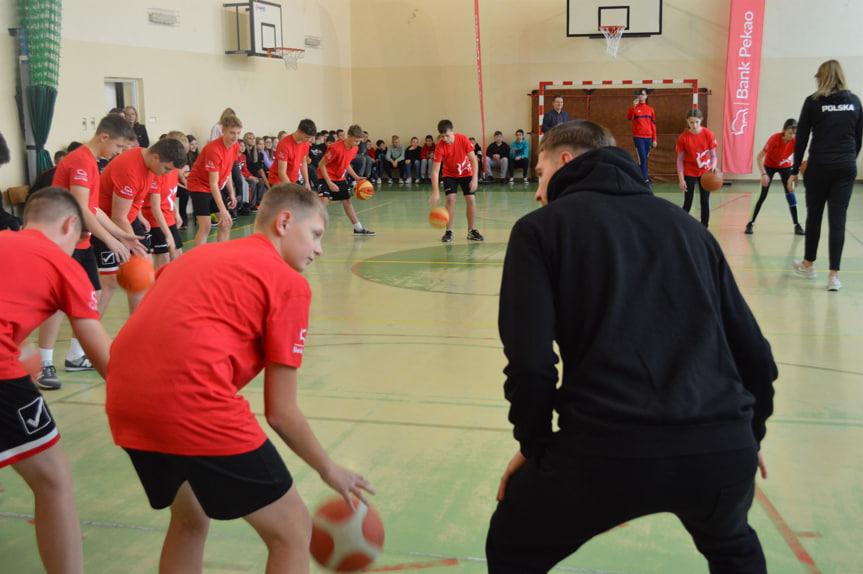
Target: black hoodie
[(661, 355), (836, 124)]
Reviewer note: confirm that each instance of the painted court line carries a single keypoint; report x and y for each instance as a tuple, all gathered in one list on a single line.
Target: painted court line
[(791, 539)]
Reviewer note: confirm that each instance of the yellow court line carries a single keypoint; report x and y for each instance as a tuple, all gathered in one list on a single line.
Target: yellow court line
[(495, 263), (406, 321)]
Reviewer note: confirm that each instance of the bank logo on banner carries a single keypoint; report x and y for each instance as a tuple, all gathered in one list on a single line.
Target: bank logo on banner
[(741, 84)]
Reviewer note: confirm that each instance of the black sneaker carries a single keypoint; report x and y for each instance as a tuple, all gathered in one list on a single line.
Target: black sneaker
[(82, 363), (48, 380), (447, 236), (798, 229), (474, 235), (364, 232), (748, 228)]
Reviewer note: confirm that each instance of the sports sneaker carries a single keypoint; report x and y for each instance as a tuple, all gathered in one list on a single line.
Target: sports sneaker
[(447, 236), (748, 228), (82, 363), (364, 232), (798, 229), (802, 270), (474, 235), (378, 180), (408, 181), (48, 380), (833, 284), (526, 180), (511, 180)]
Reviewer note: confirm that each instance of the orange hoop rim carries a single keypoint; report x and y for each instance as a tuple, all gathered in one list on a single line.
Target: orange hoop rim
[(283, 52), (612, 30)]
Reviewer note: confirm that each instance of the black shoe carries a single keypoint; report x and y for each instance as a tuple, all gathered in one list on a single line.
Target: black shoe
[(798, 229), (48, 379), (364, 232), (748, 228), (447, 236), (474, 235)]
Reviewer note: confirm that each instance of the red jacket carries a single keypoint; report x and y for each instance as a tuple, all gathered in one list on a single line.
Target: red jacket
[(643, 121)]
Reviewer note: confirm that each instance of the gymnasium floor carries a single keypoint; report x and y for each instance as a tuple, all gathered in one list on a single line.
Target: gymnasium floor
[(402, 381)]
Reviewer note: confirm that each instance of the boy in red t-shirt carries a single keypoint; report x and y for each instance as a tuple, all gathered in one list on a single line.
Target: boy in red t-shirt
[(160, 212), (427, 159), (778, 157), (212, 172), (41, 279), (331, 172), (195, 444), (290, 156), (696, 155), (78, 172), (456, 154), (127, 182)]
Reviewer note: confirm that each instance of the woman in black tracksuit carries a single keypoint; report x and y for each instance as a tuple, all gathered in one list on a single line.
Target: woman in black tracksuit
[(832, 114)]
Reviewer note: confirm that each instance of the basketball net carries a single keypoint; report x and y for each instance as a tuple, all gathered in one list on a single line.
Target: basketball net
[(612, 34), (290, 56)]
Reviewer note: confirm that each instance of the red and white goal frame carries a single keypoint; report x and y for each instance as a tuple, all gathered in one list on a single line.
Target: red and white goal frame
[(544, 85)]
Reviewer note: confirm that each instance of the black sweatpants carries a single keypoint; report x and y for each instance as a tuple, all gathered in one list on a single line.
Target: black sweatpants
[(831, 186), (555, 504), (689, 194)]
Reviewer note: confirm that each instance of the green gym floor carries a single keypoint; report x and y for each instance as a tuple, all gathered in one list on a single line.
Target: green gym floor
[(402, 381)]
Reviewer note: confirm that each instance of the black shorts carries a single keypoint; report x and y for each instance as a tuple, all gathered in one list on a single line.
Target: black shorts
[(227, 487), (203, 204), (106, 260), (26, 424), (451, 185), (88, 261), (160, 244), (342, 194)]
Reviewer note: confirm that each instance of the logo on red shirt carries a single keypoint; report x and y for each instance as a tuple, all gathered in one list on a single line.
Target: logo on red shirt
[(298, 347), (80, 174)]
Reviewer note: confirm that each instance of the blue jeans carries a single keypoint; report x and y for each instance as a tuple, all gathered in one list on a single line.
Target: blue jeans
[(642, 148), (413, 169)]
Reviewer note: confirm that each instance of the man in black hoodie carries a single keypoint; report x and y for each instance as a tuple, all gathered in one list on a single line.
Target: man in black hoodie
[(667, 380)]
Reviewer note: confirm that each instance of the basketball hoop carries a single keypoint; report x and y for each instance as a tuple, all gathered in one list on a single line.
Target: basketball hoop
[(290, 56), (612, 34)]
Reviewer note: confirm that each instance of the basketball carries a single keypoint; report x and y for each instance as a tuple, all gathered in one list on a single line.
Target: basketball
[(439, 217), (803, 167), (712, 180), (344, 540), (136, 275), (364, 189)]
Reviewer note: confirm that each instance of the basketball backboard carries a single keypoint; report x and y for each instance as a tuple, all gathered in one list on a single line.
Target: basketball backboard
[(255, 26), (642, 18)]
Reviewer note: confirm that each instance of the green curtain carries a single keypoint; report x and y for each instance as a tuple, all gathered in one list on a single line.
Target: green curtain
[(41, 20)]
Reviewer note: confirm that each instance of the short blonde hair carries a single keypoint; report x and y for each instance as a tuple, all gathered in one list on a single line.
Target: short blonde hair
[(291, 197), (231, 122), (180, 137)]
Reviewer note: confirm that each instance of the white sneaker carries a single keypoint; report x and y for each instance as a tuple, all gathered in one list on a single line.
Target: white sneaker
[(408, 181), (833, 284), (802, 270)]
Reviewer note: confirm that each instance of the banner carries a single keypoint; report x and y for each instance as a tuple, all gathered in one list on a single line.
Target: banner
[(742, 71)]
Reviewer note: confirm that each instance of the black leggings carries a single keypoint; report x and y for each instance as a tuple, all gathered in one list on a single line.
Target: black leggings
[(831, 186), (784, 174), (555, 504), (689, 194), (183, 197)]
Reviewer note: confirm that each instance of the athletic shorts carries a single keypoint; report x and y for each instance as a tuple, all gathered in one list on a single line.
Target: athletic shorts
[(106, 261), (227, 487), (202, 203), (26, 424), (160, 244), (451, 185), (342, 194), (88, 261)]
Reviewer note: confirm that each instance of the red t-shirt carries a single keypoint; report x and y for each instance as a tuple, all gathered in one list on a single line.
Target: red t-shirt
[(167, 187), (428, 151), (80, 168), (39, 279), (294, 154), (779, 154), (338, 158), (215, 157), (172, 385), (696, 151), (643, 121), (454, 158), (127, 176), (241, 161)]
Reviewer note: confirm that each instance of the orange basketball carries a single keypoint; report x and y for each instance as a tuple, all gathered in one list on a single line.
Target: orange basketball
[(712, 180), (439, 217), (344, 540), (803, 167), (364, 189), (136, 275)]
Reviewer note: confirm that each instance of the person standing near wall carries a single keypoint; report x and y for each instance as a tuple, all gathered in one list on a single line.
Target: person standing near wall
[(554, 116), (643, 120), (832, 115)]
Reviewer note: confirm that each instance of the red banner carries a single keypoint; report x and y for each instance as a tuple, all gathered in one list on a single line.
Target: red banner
[(743, 67)]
